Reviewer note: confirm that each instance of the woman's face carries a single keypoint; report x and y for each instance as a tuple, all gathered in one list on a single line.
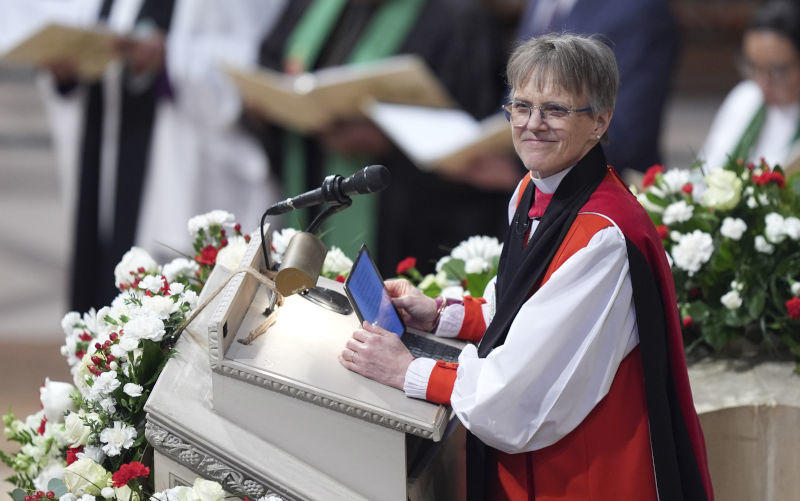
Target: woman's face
[(549, 146), (772, 61)]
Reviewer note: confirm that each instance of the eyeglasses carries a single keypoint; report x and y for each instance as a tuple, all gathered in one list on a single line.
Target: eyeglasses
[(773, 72), (519, 112)]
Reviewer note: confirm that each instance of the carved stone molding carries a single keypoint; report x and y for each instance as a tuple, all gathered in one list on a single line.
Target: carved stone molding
[(210, 466), (229, 370)]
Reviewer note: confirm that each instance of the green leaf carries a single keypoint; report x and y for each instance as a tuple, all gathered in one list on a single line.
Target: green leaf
[(18, 495), (149, 362), (755, 303), (476, 283), (432, 290), (454, 269), (57, 486)]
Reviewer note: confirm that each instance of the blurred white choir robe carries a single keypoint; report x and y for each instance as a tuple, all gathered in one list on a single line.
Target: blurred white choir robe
[(202, 158)]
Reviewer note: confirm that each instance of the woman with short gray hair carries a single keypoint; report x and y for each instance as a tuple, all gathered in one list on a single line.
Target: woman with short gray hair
[(576, 384)]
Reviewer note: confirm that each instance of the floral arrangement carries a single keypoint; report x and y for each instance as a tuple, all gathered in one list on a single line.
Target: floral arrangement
[(88, 440), (466, 270), (733, 239)]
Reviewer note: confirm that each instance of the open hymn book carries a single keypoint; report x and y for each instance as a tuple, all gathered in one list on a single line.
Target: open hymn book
[(310, 101), (440, 139), (91, 49)]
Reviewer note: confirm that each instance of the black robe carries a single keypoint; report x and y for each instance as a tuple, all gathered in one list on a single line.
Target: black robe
[(94, 255), (420, 214)]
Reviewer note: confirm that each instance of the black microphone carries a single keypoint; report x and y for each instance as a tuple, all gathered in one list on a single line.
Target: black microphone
[(335, 189)]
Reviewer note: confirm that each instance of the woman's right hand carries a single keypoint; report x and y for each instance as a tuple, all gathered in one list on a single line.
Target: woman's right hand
[(416, 309)]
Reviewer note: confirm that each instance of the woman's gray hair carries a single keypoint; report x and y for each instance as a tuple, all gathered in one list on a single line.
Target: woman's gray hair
[(581, 65)]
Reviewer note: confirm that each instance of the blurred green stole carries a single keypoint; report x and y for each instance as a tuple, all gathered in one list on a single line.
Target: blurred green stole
[(382, 37), (750, 136)]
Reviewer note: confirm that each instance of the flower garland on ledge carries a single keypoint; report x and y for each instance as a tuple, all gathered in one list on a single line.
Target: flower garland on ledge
[(733, 240), (88, 443)]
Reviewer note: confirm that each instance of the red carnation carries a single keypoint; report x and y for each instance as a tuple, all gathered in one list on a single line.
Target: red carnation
[(208, 255), (650, 175), (340, 278), (72, 454), (793, 307), (406, 264), (687, 188), (663, 231), (41, 426), (687, 321), (128, 472)]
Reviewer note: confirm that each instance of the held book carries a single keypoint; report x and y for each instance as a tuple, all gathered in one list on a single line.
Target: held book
[(310, 101), (91, 49), (440, 139)]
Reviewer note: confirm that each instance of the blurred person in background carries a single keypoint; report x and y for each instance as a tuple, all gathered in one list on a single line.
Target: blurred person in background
[(760, 117), (644, 38), (419, 210)]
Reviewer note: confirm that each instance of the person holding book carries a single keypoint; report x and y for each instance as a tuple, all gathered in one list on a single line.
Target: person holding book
[(760, 117), (458, 42), (576, 385)]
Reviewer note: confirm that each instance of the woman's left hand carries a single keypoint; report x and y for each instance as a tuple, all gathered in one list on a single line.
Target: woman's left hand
[(377, 354)]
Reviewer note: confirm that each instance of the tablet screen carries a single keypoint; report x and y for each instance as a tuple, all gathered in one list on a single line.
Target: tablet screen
[(369, 296)]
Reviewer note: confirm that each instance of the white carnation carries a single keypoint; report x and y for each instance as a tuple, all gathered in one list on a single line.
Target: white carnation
[(479, 246), (791, 227), (56, 398), (205, 221), (675, 179), (476, 265), (763, 246), (733, 228), (69, 321), (132, 390), (120, 436), (191, 298), (176, 288), (775, 226), (751, 203), (336, 263), (231, 255), (162, 306), (151, 283), (678, 212), (692, 251), (280, 241), (132, 261), (732, 300), (106, 383), (179, 268), (796, 288), (453, 292), (145, 325)]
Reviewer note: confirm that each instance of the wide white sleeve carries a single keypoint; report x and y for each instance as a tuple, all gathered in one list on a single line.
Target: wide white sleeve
[(560, 356)]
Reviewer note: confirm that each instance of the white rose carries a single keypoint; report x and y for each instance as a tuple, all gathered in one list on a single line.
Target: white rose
[(724, 190), (774, 230), (179, 268), (76, 430), (732, 300), (336, 262), (796, 288), (56, 398), (677, 212), (131, 262), (125, 493), (84, 476), (692, 251), (120, 436), (733, 228), (206, 490), (132, 390), (232, 254), (762, 245)]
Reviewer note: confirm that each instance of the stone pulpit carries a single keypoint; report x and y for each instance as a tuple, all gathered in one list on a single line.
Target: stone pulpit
[(279, 415)]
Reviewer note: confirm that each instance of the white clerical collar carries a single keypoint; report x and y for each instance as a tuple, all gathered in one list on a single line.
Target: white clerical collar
[(550, 183)]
